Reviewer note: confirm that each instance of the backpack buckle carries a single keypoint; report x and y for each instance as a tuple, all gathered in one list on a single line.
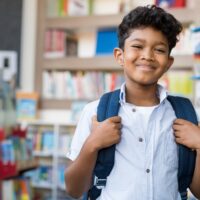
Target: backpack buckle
[(99, 183), (184, 195)]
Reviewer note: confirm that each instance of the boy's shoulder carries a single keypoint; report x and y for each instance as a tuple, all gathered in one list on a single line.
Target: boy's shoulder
[(91, 106)]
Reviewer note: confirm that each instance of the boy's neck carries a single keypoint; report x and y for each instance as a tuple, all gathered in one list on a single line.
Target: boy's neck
[(142, 95)]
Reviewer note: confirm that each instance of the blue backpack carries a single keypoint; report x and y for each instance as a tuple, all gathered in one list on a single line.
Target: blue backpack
[(109, 107)]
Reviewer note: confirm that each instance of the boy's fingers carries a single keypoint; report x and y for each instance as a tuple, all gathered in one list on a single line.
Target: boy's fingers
[(177, 134), (178, 140), (115, 119), (177, 127), (118, 126), (181, 121)]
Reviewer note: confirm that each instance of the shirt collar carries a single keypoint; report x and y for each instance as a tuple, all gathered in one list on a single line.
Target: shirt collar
[(161, 92)]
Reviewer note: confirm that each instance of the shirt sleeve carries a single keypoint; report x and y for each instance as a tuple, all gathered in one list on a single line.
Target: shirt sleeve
[(82, 130)]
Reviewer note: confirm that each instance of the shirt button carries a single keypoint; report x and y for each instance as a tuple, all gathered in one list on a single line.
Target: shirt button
[(140, 139), (147, 170), (133, 110)]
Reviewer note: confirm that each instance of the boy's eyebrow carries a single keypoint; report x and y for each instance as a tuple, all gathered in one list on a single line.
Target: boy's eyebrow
[(141, 40)]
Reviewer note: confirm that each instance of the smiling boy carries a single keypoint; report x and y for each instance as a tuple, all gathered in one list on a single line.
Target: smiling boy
[(146, 155)]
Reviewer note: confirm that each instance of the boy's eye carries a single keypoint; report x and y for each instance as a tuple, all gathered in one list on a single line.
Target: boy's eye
[(160, 50), (137, 46)]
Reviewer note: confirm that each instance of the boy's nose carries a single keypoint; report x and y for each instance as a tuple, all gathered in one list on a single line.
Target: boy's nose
[(147, 54)]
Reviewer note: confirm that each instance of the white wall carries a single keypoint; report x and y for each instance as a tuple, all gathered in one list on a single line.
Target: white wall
[(28, 41)]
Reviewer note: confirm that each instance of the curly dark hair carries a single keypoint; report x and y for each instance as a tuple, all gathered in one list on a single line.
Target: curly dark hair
[(150, 16)]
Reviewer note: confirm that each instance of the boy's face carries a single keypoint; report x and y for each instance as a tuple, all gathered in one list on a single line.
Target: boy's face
[(145, 57)]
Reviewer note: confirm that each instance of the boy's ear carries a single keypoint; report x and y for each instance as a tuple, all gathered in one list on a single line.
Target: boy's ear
[(170, 62), (119, 56)]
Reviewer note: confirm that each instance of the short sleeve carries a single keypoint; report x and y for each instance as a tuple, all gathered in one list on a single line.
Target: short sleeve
[(83, 129)]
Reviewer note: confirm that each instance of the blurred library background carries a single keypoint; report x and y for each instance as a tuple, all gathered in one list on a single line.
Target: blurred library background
[(56, 56)]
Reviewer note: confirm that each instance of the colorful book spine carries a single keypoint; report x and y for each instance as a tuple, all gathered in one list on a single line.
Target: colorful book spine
[(7, 152), (171, 3), (69, 7), (79, 85), (106, 41)]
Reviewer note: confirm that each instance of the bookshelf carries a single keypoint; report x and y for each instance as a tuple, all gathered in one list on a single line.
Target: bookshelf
[(16, 159), (48, 178), (16, 155), (97, 63)]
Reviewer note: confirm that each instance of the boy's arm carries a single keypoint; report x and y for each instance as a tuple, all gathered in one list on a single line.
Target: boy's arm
[(192, 140), (195, 185), (79, 173)]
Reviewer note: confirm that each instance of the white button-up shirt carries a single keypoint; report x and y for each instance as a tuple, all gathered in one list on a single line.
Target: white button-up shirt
[(146, 159)]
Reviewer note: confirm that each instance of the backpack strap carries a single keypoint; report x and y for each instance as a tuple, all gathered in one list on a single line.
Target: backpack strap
[(108, 107), (183, 109)]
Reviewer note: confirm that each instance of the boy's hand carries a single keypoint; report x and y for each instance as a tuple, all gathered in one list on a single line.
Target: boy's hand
[(106, 133), (187, 133)]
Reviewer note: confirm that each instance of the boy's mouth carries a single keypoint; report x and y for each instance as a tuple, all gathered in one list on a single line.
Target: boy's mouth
[(145, 67)]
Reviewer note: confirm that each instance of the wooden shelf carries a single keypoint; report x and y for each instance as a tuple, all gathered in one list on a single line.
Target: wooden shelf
[(74, 63), (43, 185), (99, 21), (103, 63), (47, 123), (59, 104), (82, 22), (55, 104), (43, 153), (23, 166)]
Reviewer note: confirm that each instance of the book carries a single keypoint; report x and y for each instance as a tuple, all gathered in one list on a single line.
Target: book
[(86, 39), (182, 86), (79, 85), (136, 3), (106, 41), (171, 3), (26, 105), (47, 141), (197, 65), (103, 7), (7, 152), (48, 89), (195, 41), (38, 141), (54, 44), (52, 8), (43, 175), (197, 94), (79, 7), (8, 190), (71, 47), (61, 174), (64, 143)]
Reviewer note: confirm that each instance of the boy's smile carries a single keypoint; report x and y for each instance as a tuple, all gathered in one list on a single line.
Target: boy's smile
[(145, 57), (145, 67)]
